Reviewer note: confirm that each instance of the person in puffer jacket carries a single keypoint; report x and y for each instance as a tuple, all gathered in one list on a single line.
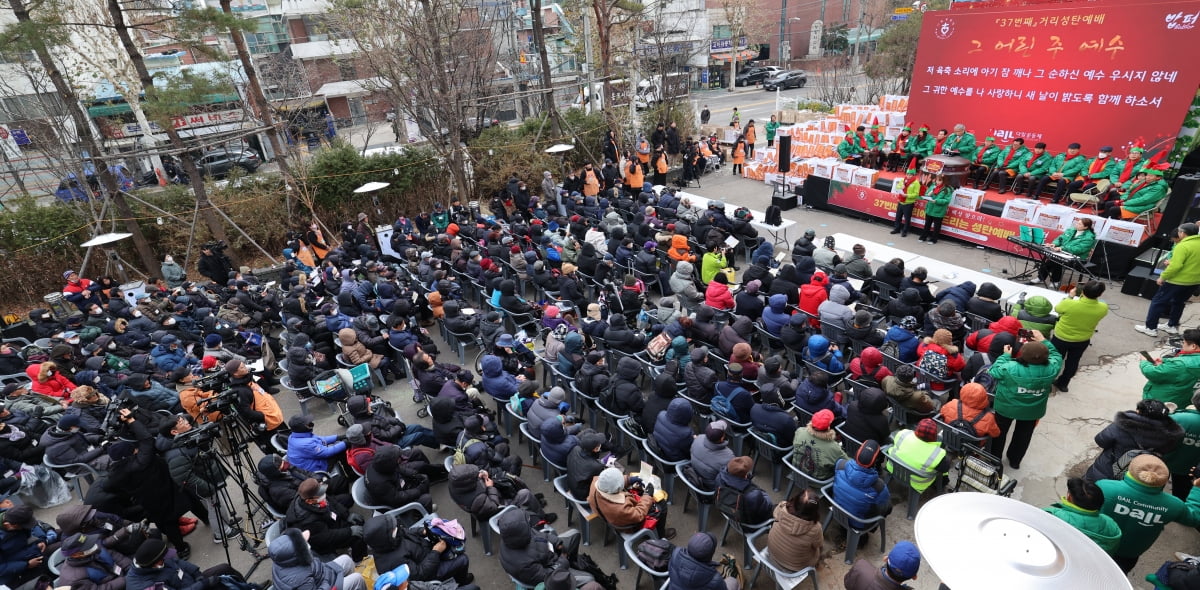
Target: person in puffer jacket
[(1036, 313), (904, 334), (795, 334), (814, 396), (309, 451), (756, 505), (824, 354), (908, 303), (787, 283), (683, 283), (393, 483), (550, 406), (868, 367), (556, 441), (857, 486), (302, 367), (739, 331), (960, 294), (571, 357), (169, 354), (294, 566), (593, 377), (627, 394), (770, 416), (394, 545), (496, 382), (835, 310), (1146, 428), (692, 568), (458, 322), (529, 555), (986, 302), (620, 337), (699, 377), (717, 294), (672, 432), (777, 315), (812, 295), (972, 401), (331, 526), (866, 417), (981, 340), (704, 328), (484, 447)]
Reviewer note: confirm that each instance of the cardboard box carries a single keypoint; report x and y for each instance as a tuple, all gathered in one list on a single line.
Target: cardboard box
[(844, 173), (1123, 232), (824, 168), (967, 198), (864, 176), (1022, 210), (1098, 223), (895, 120), (1054, 216)]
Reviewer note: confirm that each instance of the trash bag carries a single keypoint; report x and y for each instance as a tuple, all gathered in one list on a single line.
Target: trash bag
[(42, 487)]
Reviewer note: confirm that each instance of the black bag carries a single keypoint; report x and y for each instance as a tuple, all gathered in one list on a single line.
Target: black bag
[(967, 426), (656, 553), (729, 502), (584, 562), (773, 216)]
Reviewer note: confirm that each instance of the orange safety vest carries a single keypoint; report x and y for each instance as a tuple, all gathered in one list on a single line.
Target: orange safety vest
[(634, 177), (591, 183), (644, 152), (661, 166), (320, 252)]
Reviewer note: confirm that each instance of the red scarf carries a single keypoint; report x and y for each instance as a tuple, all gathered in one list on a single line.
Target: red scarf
[(1139, 186), (937, 147), (862, 141), (1012, 151), (1127, 171), (1097, 165), (1067, 159), (875, 137), (979, 156), (900, 141), (1032, 159)]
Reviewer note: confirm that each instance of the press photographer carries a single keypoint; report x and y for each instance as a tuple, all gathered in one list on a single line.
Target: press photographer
[(254, 404), (189, 455)]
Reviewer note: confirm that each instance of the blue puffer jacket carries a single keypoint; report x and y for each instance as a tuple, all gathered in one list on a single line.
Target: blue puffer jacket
[(814, 399), (907, 341), (338, 321), (774, 420), (168, 360), (496, 382), (673, 430), (311, 452), (556, 443), (960, 294), (689, 573), (816, 350), (776, 315), (859, 490)]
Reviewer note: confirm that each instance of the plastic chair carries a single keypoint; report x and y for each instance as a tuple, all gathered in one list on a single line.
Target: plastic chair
[(274, 531), (304, 395), (763, 444), (410, 508), (784, 578), (56, 560), (849, 443), (843, 518), (745, 530), (548, 466), (362, 498), (279, 441), (573, 506), (704, 498), (76, 473), (666, 469), (626, 426), (957, 441), (534, 444), (801, 477), (631, 544), (904, 474), (903, 416)]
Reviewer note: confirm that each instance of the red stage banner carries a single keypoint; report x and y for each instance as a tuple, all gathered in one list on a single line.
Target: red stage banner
[(1097, 73), (964, 224)]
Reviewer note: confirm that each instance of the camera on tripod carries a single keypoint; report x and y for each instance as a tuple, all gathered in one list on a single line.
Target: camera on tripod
[(112, 419), (217, 382), (199, 436)]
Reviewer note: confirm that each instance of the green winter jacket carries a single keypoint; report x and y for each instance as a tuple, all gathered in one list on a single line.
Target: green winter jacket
[(815, 452), (1187, 454), (990, 155), (1068, 168), (1040, 165), (1021, 155), (848, 148), (921, 147), (710, 265), (1023, 390), (1035, 313), (941, 201), (1098, 527), (1142, 511), (1172, 381), (1079, 243), (1185, 263), (1078, 318), (1146, 197), (1105, 171), (772, 127), (965, 146)]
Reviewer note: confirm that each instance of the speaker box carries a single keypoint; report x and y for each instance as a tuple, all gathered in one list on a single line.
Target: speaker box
[(816, 192), (785, 203), (1181, 202), (883, 184), (1114, 259), (1140, 282), (785, 152), (993, 208)]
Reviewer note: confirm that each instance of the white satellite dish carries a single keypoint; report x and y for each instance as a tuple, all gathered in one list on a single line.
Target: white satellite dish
[(371, 187)]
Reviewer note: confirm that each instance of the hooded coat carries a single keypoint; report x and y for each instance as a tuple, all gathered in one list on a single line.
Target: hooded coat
[(699, 377), (583, 464), (981, 340), (819, 352), (906, 341), (294, 566), (835, 309), (756, 505), (813, 399), (989, 308), (627, 394), (974, 400), (907, 303), (859, 490), (403, 547), (683, 284), (1036, 313), (355, 352), (718, 296), (496, 382), (773, 421), (688, 572), (738, 332), (1130, 431), (662, 393), (866, 418), (868, 367), (620, 337), (672, 432), (391, 483), (703, 327), (526, 554), (812, 296), (787, 283), (960, 294), (556, 442), (793, 542), (795, 334), (776, 315)]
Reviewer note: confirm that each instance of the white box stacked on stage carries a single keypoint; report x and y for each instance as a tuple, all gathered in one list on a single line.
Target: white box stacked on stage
[(967, 198), (1054, 216), (1023, 210), (1122, 232)]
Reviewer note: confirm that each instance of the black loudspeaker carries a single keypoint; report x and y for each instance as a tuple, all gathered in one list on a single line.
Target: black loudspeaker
[(1114, 259), (883, 184), (785, 203), (1140, 282), (785, 152), (1180, 203), (816, 192), (993, 208)]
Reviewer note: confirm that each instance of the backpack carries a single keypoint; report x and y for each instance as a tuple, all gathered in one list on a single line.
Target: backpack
[(934, 363), (722, 406), (656, 554), (460, 452), (773, 216), (984, 377), (890, 348), (729, 502), (656, 349), (967, 426)]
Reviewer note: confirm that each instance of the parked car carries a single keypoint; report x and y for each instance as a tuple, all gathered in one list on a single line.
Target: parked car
[(752, 76), (217, 163), (785, 80)]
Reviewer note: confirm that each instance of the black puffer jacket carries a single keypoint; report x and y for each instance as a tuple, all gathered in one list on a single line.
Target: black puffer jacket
[(468, 491), (908, 303), (328, 534), (1132, 431), (620, 337), (583, 464), (301, 370), (699, 377), (703, 328), (592, 378), (865, 418), (381, 426), (276, 487), (627, 394), (394, 545), (526, 554), (447, 422), (890, 274), (393, 484)]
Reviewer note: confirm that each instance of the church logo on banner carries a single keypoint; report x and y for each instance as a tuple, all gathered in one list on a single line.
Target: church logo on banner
[(945, 29)]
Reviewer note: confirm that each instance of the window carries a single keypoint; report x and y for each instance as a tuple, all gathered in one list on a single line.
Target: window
[(721, 32), (346, 69)]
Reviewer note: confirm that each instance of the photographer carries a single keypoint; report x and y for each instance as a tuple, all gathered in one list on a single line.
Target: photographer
[(429, 557), (115, 532), (254, 404), (213, 263), (200, 476), (136, 471)]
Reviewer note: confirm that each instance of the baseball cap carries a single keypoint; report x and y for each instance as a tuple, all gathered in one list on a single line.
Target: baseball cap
[(822, 420), (904, 559)]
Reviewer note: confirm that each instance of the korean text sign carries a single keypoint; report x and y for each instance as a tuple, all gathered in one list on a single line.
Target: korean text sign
[(1097, 73)]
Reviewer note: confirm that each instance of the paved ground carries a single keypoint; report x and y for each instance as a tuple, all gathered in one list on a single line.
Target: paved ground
[(1109, 383)]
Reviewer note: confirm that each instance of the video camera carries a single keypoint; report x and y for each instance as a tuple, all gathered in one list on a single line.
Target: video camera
[(112, 419), (217, 246), (198, 436)]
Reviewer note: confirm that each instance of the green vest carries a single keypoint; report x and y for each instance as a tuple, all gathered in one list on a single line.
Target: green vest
[(919, 455)]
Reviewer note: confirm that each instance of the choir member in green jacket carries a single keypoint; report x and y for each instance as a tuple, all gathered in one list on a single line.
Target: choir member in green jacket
[(1063, 169)]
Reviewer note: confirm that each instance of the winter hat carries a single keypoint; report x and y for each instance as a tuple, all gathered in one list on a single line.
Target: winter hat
[(590, 439), (771, 365), (702, 546), (560, 579), (943, 337), (904, 559), (557, 395), (753, 286), (715, 431), (822, 420), (355, 435), (473, 424), (650, 245), (990, 291), (594, 356), (300, 423), (550, 312), (906, 373), (233, 366), (947, 309), (208, 363), (311, 488), (862, 318), (909, 323), (150, 552), (20, 515), (1149, 470), (527, 388), (926, 430), (868, 454), (610, 481), (1152, 408), (830, 242), (741, 467), (119, 451), (68, 421)]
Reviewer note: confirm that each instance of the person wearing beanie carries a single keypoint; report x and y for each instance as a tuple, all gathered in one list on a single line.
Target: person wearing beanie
[(736, 401), (816, 448), (920, 451), (1080, 508), (19, 399), (625, 511), (972, 406), (308, 451), (901, 564), (550, 406), (1035, 313), (754, 505), (938, 356), (772, 416), (749, 302), (585, 462), (717, 294), (814, 395), (1148, 428), (295, 565), (857, 486), (1022, 391), (408, 558), (902, 387), (986, 302), (331, 526), (1141, 508), (152, 566), (67, 443), (215, 347), (90, 565), (529, 555), (691, 567), (482, 446)]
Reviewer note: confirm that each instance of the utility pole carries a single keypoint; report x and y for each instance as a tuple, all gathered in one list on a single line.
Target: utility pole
[(862, 15), (589, 92), (784, 41)]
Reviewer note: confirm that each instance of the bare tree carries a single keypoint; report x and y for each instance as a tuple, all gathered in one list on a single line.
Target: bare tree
[(611, 16), (433, 58)]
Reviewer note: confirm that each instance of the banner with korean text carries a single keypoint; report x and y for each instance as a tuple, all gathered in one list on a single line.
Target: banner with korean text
[(1097, 73), (964, 224)]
